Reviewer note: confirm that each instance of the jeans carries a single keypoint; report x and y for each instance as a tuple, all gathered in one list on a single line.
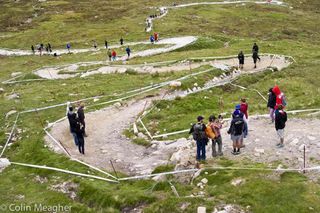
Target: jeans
[(201, 149), (218, 141), (75, 138), (271, 112)]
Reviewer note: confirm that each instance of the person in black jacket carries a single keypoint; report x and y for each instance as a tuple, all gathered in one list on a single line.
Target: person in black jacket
[(73, 122), (255, 57), (241, 60), (236, 130), (199, 135), (80, 136), (255, 48), (280, 124), (271, 104), (81, 117)]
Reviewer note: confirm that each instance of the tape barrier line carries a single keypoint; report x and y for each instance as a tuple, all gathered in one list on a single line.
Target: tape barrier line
[(149, 134), (10, 135), (64, 171), (249, 89), (57, 142)]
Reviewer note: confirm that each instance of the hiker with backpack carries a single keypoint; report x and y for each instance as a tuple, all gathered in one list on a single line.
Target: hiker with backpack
[(152, 39), (81, 117), (236, 130), (199, 135), (241, 60), (213, 132), (271, 104), (128, 50), (32, 49), (255, 57), (68, 47), (280, 124), (121, 41), (280, 97)]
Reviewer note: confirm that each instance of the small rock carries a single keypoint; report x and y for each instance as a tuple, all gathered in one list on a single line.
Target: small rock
[(257, 154), (201, 209), (261, 151), (237, 182), (4, 162), (294, 141), (184, 206), (11, 112), (1, 90), (15, 74), (301, 147), (118, 104), (204, 180), (311, 138), (141, 135), (13, 96)]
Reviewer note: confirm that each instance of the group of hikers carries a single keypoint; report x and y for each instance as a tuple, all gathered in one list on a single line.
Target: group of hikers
[(77, 124), (41, 47), (154, 38), (238, 130), (255, 56)]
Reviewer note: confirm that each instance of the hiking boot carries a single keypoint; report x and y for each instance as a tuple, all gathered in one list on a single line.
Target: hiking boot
[(220, 154), (234, 153), (238, 153), (280, 146)]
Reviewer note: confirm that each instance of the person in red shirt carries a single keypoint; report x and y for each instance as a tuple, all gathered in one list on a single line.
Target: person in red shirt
[(279, 97), (114, 55), (244, 107), (155, 35)]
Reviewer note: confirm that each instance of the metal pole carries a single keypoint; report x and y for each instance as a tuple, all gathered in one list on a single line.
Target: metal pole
[(114, 169)]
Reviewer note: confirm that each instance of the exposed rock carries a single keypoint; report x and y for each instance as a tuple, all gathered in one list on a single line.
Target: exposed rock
[(260, 151), (141, 135), (229, 208), (204, 181), (13, 96), (1, 90), (311, 138), (41, 180), (201, 209), (184, 206), (11, 112), (118, 104), (15, 74), (66, 188), (301, 147), (294, 142), (4, 162), (237, 182)]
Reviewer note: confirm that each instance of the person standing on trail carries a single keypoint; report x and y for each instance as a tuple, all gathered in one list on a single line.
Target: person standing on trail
[(255, 57), (109, 54), (106, 44), (68, 47), (280, 124), (114, 55), (151, 39), (241, 60), (73, 122), (50, 48), (236, 130), (199, 135), (128, 50), (95, 45), (271, 104), (81, 117), (216, 125), (81, 135), (244, 109), (255, 48), (32, 49), (155, 36), (121, 41), (280, 97)]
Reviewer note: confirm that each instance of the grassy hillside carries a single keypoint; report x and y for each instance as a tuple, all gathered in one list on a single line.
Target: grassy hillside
[(281, 30)]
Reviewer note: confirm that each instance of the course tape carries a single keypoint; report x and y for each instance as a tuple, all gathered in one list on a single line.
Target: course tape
[(10, 135), (64, 171)]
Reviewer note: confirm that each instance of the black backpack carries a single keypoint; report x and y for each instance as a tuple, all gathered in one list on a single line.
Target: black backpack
[(238, 125), (198, 132)]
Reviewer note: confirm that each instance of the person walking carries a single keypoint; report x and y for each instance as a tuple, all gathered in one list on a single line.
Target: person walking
[(241, 60), (271, 104), (32, 49), (121, 41), (50, 48), (68, 47), (114, 55), (109, 54), (128, 50), (151, 39), (199, 135), (255, 48), (81, 135), (244, 109), (95, 45), (255, 57), (236, 130), (73, 123), (81, 117), (280, 124), (155, 35), (216, 125), (106, 44)]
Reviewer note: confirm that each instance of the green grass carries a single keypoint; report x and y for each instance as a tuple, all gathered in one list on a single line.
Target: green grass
[(278, 30)]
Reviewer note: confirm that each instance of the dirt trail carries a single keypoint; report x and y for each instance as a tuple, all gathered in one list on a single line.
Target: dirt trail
[(106, 141)]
